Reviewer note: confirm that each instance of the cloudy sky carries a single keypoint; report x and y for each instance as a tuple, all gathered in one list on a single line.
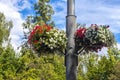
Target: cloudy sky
[(87, 11)]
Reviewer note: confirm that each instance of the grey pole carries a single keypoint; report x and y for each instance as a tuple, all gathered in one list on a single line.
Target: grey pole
[(71, 60), (70, 7)]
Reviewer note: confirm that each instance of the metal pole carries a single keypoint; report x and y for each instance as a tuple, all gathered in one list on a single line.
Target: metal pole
[(70, 7), (71, 60)]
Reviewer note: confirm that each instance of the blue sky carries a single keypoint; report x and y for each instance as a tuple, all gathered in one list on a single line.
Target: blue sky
[(87, 11)]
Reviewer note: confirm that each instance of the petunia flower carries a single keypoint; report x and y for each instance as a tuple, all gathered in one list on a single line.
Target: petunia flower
[(80, 32)]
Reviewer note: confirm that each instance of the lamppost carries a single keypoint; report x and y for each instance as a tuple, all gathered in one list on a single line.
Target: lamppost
[(71, 59)]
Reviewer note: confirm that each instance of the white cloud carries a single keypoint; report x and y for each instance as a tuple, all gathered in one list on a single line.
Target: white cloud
[(103, 51), (99, 12), (90, 12), (17, 5), (60, 13), (25, 4), (11, 9), (118, 45)]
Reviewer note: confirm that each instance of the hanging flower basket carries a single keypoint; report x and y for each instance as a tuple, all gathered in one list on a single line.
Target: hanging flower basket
[(45, 39), (94, 38)]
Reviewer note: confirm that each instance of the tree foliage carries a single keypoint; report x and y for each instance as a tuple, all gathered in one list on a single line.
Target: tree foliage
[(115, 75), (43, 12), (29, 66), (5, 27), (97, 67), (43, 15)]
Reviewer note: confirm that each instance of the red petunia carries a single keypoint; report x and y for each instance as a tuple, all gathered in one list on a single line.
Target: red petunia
[(35, 41), (48, 28), (37, 27), (40, 30), (81, 32)]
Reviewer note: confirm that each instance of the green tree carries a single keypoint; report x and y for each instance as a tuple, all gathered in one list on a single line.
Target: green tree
[(115, 75), (86, 61), (5, 27), (101, 68), (43, 12), (43, 15), (8, 63), (46, 67)]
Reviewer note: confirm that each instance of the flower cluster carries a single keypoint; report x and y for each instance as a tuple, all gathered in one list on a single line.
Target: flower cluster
[(37, 30), (47, 39), (94, 38)]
